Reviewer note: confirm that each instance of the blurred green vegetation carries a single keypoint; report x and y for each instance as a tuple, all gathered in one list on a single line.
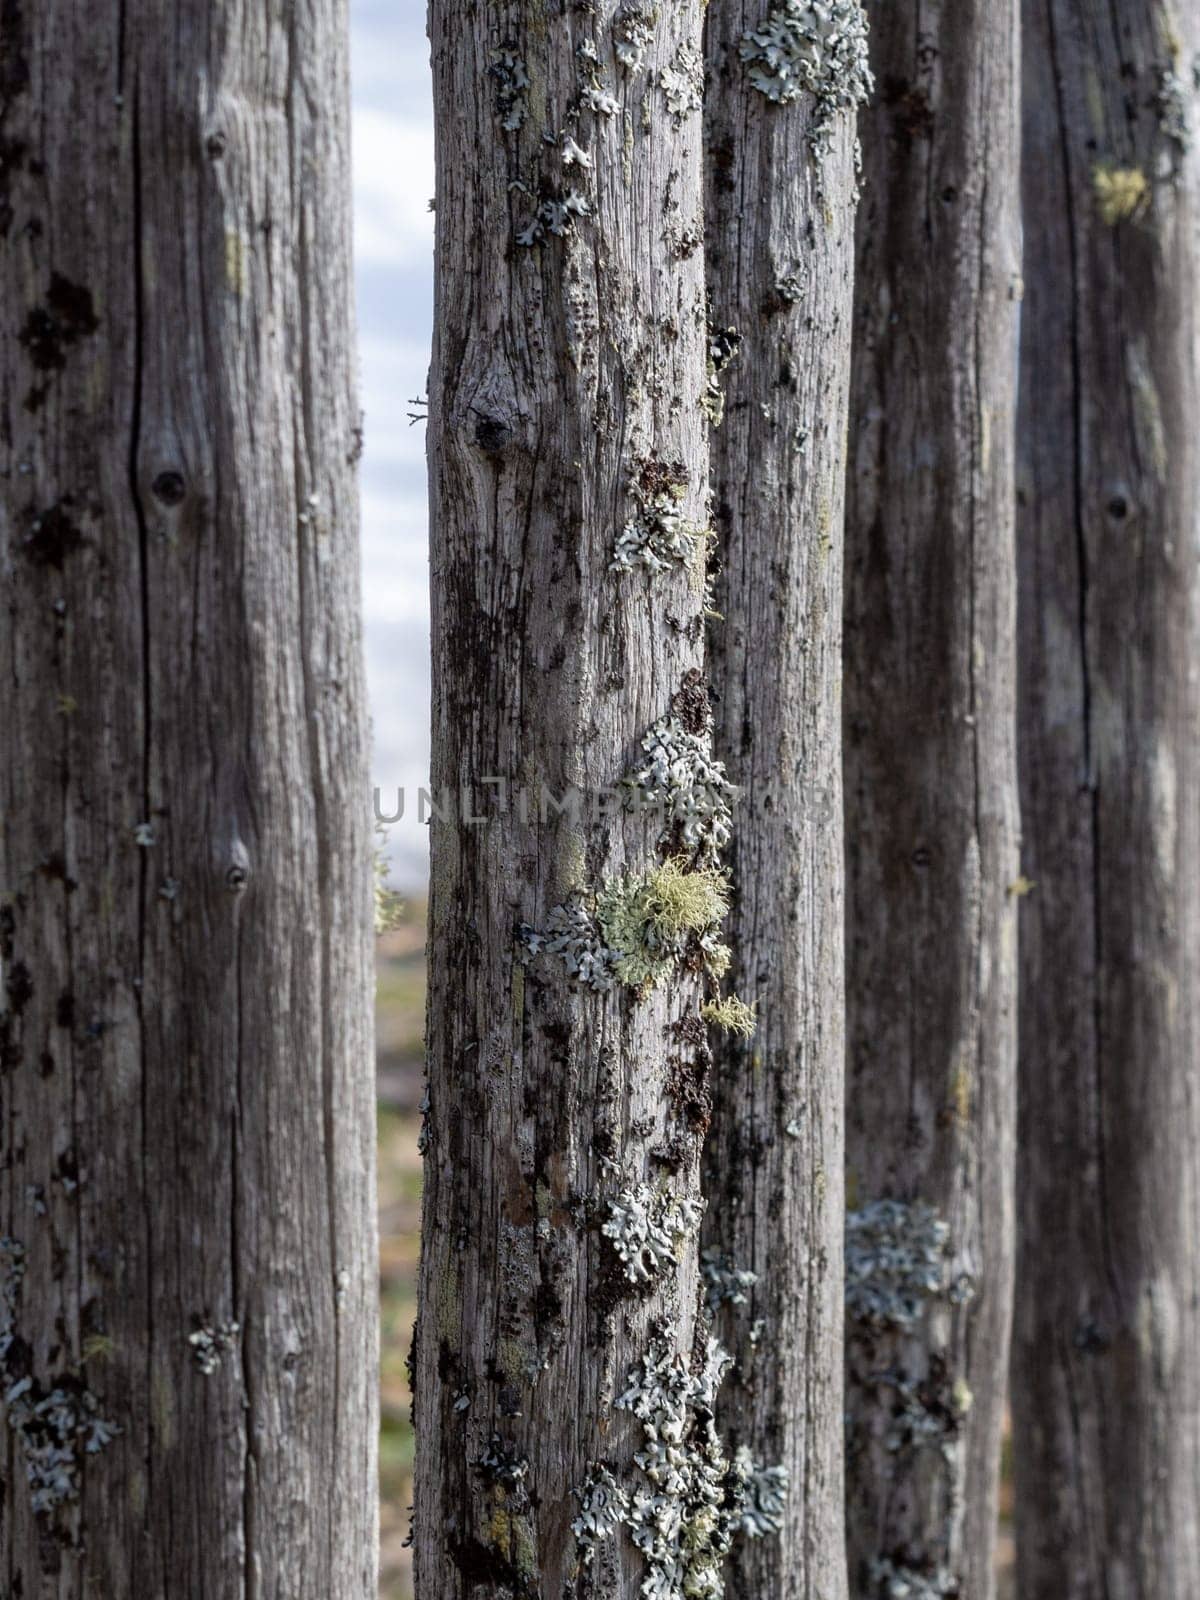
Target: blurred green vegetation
[(399, 1028)]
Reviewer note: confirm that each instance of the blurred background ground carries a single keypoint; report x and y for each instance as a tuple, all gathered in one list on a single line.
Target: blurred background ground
[(400, 1022)]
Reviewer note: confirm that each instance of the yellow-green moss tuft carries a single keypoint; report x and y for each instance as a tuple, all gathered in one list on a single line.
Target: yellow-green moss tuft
[(1122, 193)]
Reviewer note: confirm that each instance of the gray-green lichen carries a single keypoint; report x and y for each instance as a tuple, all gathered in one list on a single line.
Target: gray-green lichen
[(653, 922), (641, 928), (557, 215), (764, 1496), (659, 535), (603, 1507), (723, 344), (511, 78), (209, 1343), (573, 937), (1173, 103), (682, 81), (632, 33), (647, 1228), (725, 1284), (815, 47), (594, 93), (680, 776), (897, 1260), (56, 1423), (890, 1581), (695, 1500)]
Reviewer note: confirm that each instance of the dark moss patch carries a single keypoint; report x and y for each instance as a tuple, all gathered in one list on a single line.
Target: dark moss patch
[(52, 537), (19, 987), (912, 115), (66, 316)]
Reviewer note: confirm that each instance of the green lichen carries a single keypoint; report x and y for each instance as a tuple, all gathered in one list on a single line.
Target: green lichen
[(816, 48), (1122, 193), (649, 921), (731, 1013)]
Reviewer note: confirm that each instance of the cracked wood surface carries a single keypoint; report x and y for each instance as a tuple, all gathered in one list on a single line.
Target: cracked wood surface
[(558, 367), (931, 784), (1107, 1376), (778, 215), (185, 855)]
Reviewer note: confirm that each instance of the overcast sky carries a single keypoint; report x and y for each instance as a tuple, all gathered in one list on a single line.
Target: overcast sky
[(393, 183)]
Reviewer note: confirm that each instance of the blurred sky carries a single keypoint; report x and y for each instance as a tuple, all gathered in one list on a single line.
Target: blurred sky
[(393, 228)]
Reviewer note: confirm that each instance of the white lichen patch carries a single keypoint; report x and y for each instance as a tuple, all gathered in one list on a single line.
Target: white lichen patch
[(632, 33), (603, 1506), (684, 1521), (661, 535), (893, 1582), (764, 1496), (55, 1424), (723, 345), (897, 1261), (725, 1284), (648, 1229), (682, 81), (1173, 103), (573, 937), (573, 155), (681, 777), (814, 47), (209, 1343), (555, 215), (512, 80)]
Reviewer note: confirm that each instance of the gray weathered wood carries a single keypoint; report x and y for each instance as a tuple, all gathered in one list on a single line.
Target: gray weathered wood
[(931, 786), (564, 368), (185, 858), (1106, 1377), (780, 243)]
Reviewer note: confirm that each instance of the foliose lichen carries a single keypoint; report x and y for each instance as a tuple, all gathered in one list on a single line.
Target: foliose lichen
[(723, 345), (682, 81), (210, 1342), (1173, 105), (925, 1415), (594, 93), (648, 1228), (892, 1581), (512, 79), (632, 33), (557, 215), (816, 47), (654, 922), (574, 938), (643, 928), (897, 1261), (56, 1423), (603, 1507), (660, 535), (681, 776), (764, 1496), (684, 1522), (725, 1284)]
